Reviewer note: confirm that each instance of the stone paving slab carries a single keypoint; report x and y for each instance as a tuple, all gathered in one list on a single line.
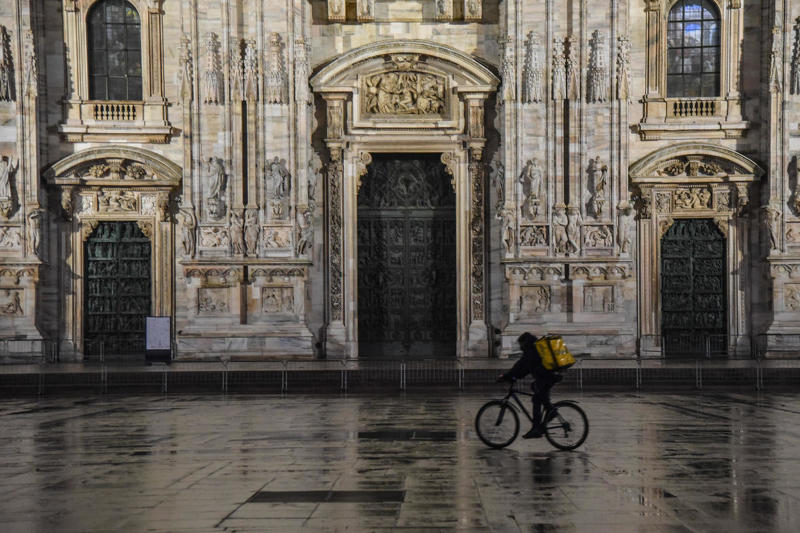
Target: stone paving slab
[(695, 462)]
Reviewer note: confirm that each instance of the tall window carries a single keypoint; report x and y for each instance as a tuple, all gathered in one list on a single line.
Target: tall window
[(115, 55), (693, 49)]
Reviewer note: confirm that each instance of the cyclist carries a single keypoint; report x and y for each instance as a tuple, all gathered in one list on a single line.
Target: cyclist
[(543, 380)]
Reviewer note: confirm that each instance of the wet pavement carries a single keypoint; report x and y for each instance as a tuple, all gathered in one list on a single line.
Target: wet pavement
[(721, 461)]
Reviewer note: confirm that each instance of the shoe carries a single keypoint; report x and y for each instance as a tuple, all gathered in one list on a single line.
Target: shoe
[(534, 433)]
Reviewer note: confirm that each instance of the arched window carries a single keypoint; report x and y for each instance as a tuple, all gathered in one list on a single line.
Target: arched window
[(115, 55), (693, 49)]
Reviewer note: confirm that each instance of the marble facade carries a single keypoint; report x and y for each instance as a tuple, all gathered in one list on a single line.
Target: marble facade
[(257, 122)]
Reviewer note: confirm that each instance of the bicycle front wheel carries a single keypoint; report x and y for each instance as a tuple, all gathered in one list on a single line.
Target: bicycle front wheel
[(566, 425), (497, 424)]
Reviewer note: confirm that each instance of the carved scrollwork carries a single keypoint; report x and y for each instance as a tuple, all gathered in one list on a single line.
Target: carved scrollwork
[(88, 227), (362, 162), (13, 276), (335, 177), (449, 161), (723, 224), (664, 225), (146, 226)]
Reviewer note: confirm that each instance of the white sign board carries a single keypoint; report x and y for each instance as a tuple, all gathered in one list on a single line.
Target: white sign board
[(157, 335)]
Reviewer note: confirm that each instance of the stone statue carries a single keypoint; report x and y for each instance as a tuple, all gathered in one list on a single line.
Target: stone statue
[(625, 210), (773, 218), (560, 220), (217, 183), (7, 167), (34, 231), (599, 173), (237, 233), (188, 223), (506, 216), (574, 221), (531, 188), (251, 229), (279, 179), (305, 232)]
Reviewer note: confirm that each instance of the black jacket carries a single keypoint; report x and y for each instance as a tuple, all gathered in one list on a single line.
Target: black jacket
[(529, 363)]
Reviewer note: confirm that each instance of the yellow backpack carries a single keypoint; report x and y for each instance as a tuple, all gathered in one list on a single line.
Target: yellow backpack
[(554, 353)]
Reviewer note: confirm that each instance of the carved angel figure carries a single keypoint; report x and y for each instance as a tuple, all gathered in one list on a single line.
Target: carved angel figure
[(251, 230), (560, 220), (188, 223), (237, 233)]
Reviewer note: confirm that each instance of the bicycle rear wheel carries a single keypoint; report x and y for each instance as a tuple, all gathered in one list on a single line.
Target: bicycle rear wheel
[(497, 424), (566, 425)]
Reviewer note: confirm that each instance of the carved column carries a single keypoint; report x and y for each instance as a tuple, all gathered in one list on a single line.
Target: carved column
[(477, 263)]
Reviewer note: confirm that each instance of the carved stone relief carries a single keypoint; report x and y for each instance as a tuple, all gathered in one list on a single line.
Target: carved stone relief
[(10, 238), (365, 10), (791, 296), (335, 177), (236, 70), (598, 298), (444, 9), (276, 84), (793, 233), (536, 299), (534, 69), (277, 300), (533, 237), (6, 67), (212, 301), (693, 166), (404, 93), (185, 69), (722, 201), (476, 174), (214, 237), (8, 168), (336, 11), (601, 236), (11, 302), (624, 68), (663, 202), (212, 76), (598, 83), (692, 198), (275, 238), (117, 201), (473, 9)]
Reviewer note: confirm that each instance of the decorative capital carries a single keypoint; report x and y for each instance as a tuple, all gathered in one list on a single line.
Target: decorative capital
[(87, 227), (362, 162)]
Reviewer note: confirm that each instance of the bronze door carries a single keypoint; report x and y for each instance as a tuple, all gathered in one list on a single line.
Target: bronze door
[(693, 301), (406, 258), (117, 289)]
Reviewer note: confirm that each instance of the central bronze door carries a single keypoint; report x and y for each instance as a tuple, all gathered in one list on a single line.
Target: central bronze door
[(406, 258)]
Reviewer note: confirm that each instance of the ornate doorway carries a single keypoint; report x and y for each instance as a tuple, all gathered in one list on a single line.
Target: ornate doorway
[(406, 258), (118, 287), (693, 302)]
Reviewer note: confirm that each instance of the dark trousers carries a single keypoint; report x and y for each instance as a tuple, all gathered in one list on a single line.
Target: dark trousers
[(541, 397)]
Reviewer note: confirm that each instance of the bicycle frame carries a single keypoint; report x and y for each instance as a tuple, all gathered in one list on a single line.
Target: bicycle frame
[(513, 393)]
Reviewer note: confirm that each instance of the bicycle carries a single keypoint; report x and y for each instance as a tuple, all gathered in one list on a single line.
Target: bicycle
[(497, 422)]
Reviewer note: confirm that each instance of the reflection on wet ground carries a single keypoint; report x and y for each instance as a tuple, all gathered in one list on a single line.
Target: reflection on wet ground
[(653, 462)]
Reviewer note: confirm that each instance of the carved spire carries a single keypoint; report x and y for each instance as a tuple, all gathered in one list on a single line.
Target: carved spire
[(509, 93), (598, 69), (624, 68), (534, 69), (276, 83), (559, 72), (301, 70), (571, 57), (212, 76), (250, 71)]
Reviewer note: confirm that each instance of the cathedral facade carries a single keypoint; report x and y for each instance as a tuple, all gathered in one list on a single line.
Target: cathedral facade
[(418, 178)]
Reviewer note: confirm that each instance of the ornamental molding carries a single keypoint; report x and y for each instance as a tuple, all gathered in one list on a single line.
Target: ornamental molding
[(114, 165), (590, 272), (214, 275), (273, 273), (783, 270), (694, 162), (534, 272), (16, 275)]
